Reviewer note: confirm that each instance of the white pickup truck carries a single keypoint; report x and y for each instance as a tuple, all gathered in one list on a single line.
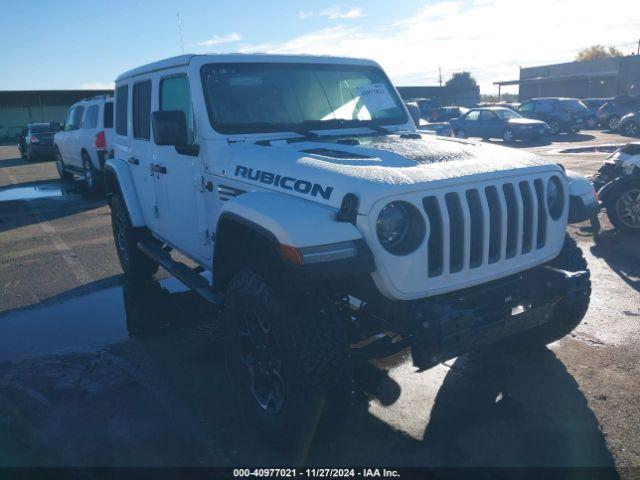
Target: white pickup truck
[(332, 229)]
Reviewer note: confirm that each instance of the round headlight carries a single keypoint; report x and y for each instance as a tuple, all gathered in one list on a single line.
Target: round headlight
[(555, 197), (400, 228)]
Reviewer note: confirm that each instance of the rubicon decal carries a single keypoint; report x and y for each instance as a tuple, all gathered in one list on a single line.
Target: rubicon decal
[(286, 183)]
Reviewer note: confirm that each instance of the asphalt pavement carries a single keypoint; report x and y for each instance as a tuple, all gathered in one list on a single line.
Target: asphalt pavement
[(93, 372)]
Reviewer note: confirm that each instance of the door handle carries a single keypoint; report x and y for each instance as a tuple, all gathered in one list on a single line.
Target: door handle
[(158, 168), (133, 161)]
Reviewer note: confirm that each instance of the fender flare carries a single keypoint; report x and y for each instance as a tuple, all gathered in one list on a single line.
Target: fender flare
[(290, 220), (117, 176)]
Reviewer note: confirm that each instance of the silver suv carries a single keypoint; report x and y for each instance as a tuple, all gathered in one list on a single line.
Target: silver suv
[(82, 147)]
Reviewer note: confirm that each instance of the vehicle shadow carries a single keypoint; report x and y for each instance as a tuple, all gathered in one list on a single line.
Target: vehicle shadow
[(572, 137), (620, 252), (540, 142), (164, 398), (17, 162)]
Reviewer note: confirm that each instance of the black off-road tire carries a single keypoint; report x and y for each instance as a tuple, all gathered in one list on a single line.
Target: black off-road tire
[(308, 332), (612, 206), (135, 264), (568, 312)]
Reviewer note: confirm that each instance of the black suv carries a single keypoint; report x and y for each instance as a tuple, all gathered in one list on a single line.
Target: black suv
[(610, 113), (561, 114)]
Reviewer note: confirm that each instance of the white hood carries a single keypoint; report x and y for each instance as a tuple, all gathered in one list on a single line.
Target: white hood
[(324, 170)]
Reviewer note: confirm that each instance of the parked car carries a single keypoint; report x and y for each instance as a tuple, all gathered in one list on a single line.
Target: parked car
[(332, 236), (497, 122), (613, 110), (444, 114), (442, 129), (426, 106), (630, 124), (618, 185), (82, 146), (561, 114), (593, 105), (36, 140)]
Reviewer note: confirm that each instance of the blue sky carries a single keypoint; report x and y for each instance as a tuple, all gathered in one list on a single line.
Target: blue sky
[(84, 44)]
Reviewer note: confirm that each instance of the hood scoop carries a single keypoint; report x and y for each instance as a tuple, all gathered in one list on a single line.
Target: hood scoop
[(338, 154)]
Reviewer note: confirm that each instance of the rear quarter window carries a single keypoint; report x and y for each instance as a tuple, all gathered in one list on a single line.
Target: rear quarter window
[(108, 115), (122, 104)]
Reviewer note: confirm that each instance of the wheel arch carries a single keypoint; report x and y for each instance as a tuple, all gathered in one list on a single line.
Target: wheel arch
[(239, 244), (268, 231), (118, 179)]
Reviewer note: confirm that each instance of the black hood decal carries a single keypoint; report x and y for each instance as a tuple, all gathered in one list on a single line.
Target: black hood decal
[(433, 150), (420, 150)]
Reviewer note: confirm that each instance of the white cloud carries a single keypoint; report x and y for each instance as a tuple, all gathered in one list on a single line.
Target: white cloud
[(490, 38), (97, 86), (219, 39), (302, 15), (336, 13)]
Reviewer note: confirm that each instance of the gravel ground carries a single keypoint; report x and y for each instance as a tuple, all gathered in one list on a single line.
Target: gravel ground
[(93, 373)]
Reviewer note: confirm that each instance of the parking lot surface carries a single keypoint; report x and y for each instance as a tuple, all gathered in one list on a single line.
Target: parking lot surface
[(93, 372)]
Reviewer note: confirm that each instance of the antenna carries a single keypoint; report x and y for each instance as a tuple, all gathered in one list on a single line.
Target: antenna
[(180, 32)]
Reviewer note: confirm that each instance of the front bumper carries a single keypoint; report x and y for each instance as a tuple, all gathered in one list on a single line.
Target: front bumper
[(583, 208), (494, 312), (440, 328)]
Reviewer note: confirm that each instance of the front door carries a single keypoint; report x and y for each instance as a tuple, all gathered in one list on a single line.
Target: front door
[(471, 123), (180, 187)]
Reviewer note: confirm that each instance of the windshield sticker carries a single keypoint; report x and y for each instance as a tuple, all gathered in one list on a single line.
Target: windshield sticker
[(376, 97)]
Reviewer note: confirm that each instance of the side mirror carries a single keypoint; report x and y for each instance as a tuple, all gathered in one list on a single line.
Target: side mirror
[(415, 113), (169, 127)]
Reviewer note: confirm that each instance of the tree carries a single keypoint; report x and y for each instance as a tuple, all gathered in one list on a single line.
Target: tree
[(462, 81), (594, 52)]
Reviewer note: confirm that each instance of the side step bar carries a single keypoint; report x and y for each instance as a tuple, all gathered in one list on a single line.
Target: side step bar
[(182, 272)]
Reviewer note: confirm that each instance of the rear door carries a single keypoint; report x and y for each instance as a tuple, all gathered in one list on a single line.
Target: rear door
[(140, 158), (88, 130), (63, 138), (73, 144)]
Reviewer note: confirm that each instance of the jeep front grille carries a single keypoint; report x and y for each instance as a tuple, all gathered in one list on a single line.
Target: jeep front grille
[(484, 225)]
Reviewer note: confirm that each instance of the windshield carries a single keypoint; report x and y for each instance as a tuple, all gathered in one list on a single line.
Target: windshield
[(507, 114), (265, 97)]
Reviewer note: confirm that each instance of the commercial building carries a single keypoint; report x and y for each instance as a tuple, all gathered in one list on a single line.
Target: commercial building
[(20, 107), (601, 78)]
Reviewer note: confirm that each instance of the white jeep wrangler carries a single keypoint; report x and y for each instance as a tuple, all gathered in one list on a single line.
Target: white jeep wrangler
[(332, 228)]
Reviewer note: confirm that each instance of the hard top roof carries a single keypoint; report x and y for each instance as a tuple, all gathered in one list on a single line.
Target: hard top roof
[(183, 60)]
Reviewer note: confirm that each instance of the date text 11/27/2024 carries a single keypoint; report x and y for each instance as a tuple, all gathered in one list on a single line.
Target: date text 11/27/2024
[(315, 473)]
